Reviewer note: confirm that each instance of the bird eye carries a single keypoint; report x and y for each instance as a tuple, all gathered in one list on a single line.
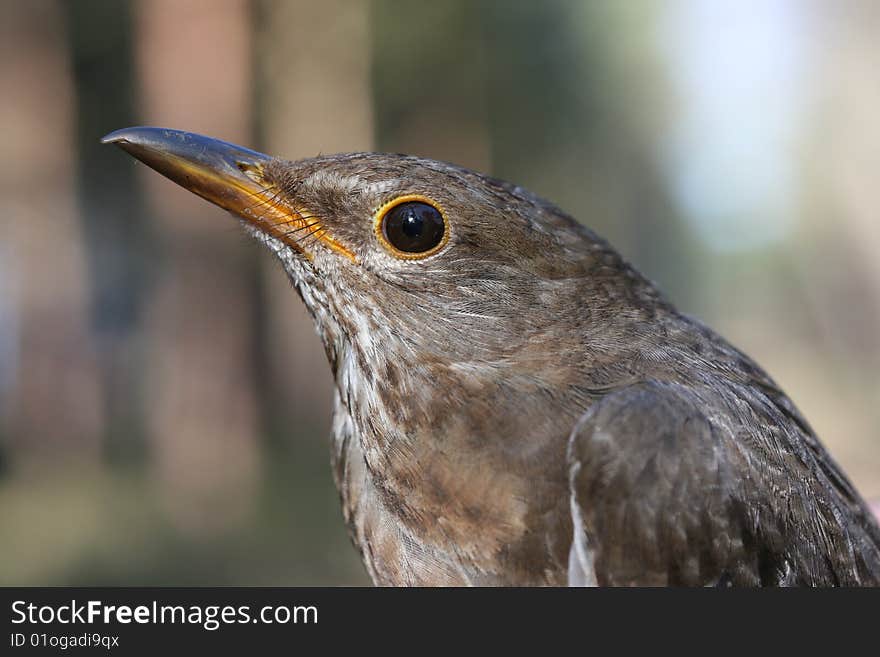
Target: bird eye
[(413, 228)]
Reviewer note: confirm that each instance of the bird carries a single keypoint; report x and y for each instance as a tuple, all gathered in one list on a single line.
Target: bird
[(514, 403)]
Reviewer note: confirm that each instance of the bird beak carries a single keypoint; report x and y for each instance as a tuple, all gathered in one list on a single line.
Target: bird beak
[(225, 174), (222, 173)]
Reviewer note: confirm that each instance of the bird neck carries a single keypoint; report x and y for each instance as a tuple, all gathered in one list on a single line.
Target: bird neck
[(466, 444)]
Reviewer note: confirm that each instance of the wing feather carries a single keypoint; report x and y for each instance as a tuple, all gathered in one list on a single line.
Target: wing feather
[(674, 485)]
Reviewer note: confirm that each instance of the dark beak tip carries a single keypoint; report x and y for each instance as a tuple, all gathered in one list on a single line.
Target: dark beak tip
[(153, 137), (125, 135), (112, 138)]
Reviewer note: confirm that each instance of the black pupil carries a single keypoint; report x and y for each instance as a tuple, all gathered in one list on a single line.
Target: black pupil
[(414, 227)]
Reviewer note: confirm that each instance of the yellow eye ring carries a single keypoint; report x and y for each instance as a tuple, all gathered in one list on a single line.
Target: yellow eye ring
[(408, 247)]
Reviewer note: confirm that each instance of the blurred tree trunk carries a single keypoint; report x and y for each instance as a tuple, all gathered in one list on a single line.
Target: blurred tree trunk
[(48, 358), (314, 95), (195, 67), (432, 99), (111, 209)]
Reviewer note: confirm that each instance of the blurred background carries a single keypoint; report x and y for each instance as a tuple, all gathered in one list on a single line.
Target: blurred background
[(164, 401)]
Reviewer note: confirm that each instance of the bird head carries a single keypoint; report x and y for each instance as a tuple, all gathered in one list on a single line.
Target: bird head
[(434, 289)]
